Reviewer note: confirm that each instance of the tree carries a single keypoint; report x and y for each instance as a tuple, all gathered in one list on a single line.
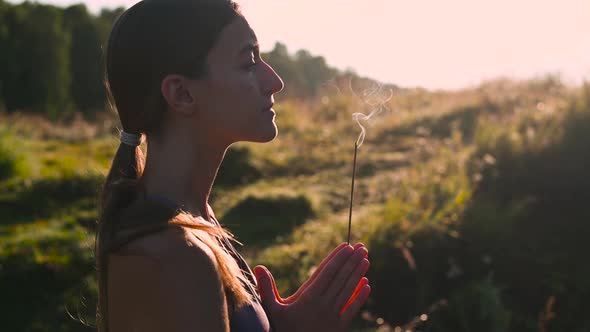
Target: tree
[(86, 69), (35, 59), (282, 63), (303, 72)]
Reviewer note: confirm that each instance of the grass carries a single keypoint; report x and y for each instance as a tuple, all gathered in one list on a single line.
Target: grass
[(451, 195)]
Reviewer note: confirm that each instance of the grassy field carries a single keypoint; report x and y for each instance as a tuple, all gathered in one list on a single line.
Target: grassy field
[(473, 205)]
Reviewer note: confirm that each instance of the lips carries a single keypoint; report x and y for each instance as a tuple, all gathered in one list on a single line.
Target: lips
[(268, 108)]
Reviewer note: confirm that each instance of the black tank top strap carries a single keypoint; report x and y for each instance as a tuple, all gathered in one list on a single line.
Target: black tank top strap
[(243, 265)]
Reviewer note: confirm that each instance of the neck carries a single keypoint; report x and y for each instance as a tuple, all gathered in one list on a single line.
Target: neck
[(184, 176)]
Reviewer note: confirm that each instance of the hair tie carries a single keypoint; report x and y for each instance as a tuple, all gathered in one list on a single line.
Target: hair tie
[(130, 139)]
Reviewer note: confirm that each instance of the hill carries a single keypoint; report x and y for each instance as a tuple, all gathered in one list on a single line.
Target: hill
[(472, 204)]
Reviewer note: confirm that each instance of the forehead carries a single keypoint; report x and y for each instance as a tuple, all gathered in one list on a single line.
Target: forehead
[(234, 40)]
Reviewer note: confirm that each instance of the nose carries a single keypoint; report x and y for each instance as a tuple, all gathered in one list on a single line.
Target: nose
[(271, 81)]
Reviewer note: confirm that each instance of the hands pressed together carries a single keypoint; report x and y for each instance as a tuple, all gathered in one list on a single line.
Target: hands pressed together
[(327, 301)]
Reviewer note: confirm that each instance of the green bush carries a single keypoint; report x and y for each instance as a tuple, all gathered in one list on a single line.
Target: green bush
[(237, 168), (475, 307), (529, 216), (45, 275), (23, 201), (13, 163), (261, 220)]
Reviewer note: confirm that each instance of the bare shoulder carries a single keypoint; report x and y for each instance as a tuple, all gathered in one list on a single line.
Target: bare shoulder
[(172, 279), (166, 242)]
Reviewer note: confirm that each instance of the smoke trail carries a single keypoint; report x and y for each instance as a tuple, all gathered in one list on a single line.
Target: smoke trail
[(360, 116), (371, 98)]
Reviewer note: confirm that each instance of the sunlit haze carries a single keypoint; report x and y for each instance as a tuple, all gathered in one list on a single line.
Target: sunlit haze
[(435, 44)]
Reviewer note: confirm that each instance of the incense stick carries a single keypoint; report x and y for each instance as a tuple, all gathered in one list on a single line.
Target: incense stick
[(352, 191)]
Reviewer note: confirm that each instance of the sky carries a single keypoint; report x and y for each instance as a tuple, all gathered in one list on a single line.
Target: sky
[(436, 44)]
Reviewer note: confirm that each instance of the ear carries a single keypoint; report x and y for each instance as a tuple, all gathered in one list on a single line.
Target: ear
[(175, 89)]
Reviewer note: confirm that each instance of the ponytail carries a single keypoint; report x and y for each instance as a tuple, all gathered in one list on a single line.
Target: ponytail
[(118, 191)]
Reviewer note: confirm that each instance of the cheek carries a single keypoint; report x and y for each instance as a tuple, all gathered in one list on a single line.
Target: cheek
[(234, 99), (242, 94), (236, 88), (247, 84)]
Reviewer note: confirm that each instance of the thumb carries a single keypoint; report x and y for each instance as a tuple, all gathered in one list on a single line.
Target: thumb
[(265, 283)]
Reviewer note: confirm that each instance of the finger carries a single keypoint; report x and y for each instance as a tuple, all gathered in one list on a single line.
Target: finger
[(326, 276), (352, 287), (346, 273), (264, 281), (351, 283), (327, 259), (274, 287), (364, 281), (355, 306), (334, 252), (318, 270)]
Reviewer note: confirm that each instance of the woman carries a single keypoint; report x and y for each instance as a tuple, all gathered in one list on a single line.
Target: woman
[(187, 75)]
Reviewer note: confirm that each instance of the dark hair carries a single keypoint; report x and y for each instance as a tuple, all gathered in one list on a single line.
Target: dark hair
[(150, 40)]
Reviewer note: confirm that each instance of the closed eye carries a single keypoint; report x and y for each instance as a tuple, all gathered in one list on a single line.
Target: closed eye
[(252, 64)]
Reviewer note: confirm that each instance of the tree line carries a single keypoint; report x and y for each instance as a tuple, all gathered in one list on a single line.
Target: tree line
[(51, 60)]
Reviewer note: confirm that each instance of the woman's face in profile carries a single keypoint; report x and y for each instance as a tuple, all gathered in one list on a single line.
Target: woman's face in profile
[(238, 90)]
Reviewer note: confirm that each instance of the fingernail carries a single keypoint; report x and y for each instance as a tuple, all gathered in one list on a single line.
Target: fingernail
[(363, 251), (258, 272)]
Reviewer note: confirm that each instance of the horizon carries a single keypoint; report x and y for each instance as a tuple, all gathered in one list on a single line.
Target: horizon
[(463, 44)]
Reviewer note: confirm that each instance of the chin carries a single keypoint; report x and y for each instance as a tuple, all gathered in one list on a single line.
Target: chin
[(270, 136), (267, 136)]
